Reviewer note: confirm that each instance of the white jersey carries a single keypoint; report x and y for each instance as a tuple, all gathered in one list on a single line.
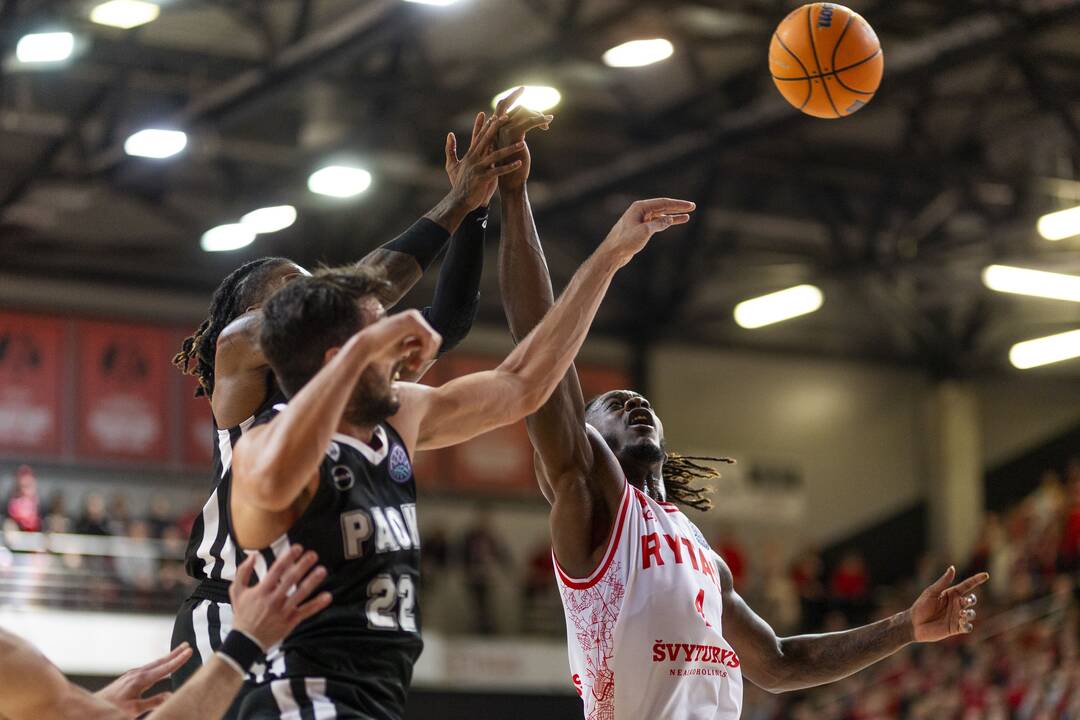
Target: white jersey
[(644, 631)]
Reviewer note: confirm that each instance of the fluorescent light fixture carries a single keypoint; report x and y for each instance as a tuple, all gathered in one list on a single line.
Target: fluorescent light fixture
[(778, 306), (227, 237), (433, 2), (1036, 283), (339, 181), (47, 47), (1043, 351), (270, 219), (125, 14), (638, 53), (1060, 225), (155, 143), (536, 97)]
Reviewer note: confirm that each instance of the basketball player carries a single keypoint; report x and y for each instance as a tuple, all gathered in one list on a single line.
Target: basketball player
[(654, 626), (235, 376), (332, 469), (35, 689)]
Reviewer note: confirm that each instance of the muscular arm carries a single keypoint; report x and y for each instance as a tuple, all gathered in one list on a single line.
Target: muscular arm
[(42, 692), (273, 463), (557, 429), (474, 404), (782, 664)]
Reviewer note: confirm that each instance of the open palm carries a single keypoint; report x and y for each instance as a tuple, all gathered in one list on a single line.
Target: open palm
[(944, 610)]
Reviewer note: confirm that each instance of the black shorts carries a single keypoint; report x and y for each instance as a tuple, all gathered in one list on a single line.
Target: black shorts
[(304, 698), (203, 624)]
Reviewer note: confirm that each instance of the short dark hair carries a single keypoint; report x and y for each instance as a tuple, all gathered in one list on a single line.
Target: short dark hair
[(312, 314)]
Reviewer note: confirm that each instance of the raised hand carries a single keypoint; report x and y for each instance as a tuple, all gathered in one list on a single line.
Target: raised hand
[(475, 177), (942, 611), (522, 120), (641, 221), (125, 693), (271, 609)]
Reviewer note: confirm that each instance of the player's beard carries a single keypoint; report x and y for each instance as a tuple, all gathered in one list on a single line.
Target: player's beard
[(372, 400), (644, 451)]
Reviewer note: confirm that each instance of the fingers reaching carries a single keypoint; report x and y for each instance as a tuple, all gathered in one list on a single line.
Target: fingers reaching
[(508, 102), (312, 607), (283, 563), (307, 586), (942, 582), (968, 585), (297, 570), (451, 150), (494, 158), (478, 125), (143, 705)]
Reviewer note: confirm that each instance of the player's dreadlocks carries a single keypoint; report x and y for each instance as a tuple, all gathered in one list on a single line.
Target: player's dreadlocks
[(682, 473), (237, 292)]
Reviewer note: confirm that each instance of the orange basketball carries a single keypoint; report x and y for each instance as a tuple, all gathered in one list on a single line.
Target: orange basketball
[(826, 60)]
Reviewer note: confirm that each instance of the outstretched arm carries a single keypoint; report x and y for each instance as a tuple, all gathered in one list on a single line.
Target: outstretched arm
[(557, 430), (793, 663), (273, 463), (474, 404)]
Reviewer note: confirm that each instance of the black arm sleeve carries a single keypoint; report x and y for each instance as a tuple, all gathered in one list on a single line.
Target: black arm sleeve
[(457, 292), (424, 240)]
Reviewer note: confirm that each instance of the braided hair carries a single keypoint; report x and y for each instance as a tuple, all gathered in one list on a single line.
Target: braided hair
[(240, 289), (683, 474)]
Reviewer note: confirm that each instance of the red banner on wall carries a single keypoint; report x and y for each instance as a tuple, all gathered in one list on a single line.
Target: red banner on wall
[(123, 391), (197, 426), (31, 383)]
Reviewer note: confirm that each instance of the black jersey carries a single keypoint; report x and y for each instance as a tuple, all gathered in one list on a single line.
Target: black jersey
[(211, 553), (362, 523)]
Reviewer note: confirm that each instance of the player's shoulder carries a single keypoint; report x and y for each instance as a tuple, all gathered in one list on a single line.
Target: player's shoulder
[(266, 414)]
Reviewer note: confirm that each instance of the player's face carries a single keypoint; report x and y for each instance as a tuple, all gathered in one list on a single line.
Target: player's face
[(375, 396), (627, 422)]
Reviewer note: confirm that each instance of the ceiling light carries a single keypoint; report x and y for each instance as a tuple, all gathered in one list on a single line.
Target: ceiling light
[(1060, 225), (227, 237), (433, 2), (45, 47), (637, 53), (125, 14), (1036, 283), (339, 181), (155, 143), (778, 306), (536, 97), (270, 219), (1043, 351)]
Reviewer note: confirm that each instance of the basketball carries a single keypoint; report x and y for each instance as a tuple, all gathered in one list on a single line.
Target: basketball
[(826, 60)]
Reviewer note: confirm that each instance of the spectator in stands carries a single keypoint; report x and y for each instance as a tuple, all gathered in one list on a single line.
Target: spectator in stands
[(137, 569), (161, 516), (731, 550), (483, 555), (119, 515), (806, 574), (56, 516), (22, 507), (539, 594), (93, 520), (849, 587), (778, 596)]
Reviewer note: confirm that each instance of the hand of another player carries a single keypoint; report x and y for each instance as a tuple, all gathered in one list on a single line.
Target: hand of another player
[(125, 693), (475, 177), (522, 120), (406, 337), (267, 611), (641, 221), (942, 611)]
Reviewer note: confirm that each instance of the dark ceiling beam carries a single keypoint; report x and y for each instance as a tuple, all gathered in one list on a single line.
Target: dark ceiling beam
[(348, 36), (1047, 95), (962, 42), (44, 161)]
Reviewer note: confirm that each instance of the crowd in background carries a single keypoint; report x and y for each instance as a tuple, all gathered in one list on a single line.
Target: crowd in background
[(1023, 661), (1023, 664)]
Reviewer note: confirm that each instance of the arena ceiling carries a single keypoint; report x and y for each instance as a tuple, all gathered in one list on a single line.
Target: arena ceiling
[(892, 212)]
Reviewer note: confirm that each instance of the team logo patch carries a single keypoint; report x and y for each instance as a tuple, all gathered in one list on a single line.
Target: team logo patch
[(400, 469), (343, 477)]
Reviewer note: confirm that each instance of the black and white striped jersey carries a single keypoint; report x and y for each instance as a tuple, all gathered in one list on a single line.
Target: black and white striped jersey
[(362, 523), (211, 552)]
